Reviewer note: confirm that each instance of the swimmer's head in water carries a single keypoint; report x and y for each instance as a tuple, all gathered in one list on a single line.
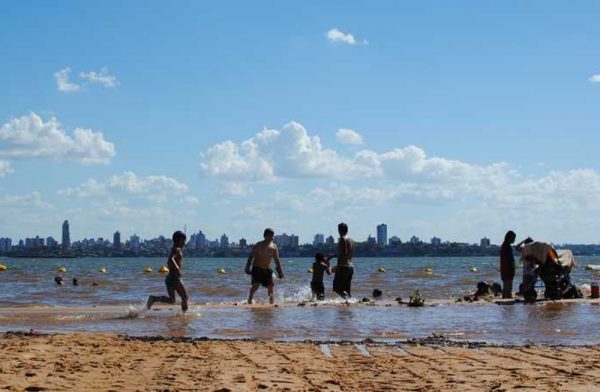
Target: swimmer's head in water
[(343, 229), (268, 233), (510, 237), (179, 238)]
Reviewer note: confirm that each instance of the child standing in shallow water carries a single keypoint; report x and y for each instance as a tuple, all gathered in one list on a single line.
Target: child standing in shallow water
[(319, 267), (173, 280)]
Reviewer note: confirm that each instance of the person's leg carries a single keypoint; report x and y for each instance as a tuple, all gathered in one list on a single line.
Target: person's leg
[(349, 281), (253, 289), (321, 292), (181, 290), (161, 298), (507, 288), (271, 291)]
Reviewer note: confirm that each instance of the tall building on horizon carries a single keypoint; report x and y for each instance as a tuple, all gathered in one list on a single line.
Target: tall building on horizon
[(224, 242), (319, 240), (117, 240), (382, 235), (66, 235)]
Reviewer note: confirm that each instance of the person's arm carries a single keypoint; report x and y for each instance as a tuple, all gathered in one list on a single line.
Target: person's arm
[(175, 263), (519, 246), (326, 267), (278, 264), (248, 268)]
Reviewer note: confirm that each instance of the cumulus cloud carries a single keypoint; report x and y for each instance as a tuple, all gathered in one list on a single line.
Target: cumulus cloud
[(103, 78), (156, 189), (5, 168), (349, 136), (293, 153), (595, 78), (63, 83), (30, 136), (31, 200), (335, 35)]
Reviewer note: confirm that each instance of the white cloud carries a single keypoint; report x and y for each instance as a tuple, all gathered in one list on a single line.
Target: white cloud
[(30, 137), (31, 200), (335, 35), (126, 186), (235, 189), (293, 153), (349, 136), (62, 81), (5, 168), (595, 78), (102, 77)]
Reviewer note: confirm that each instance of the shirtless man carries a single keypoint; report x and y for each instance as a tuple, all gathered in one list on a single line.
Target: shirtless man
[(258, 265), (344, 270)]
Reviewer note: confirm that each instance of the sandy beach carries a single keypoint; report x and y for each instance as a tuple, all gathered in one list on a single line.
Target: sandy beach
[(103, 362)]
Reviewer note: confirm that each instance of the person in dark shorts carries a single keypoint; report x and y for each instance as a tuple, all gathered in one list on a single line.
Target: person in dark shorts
[(173, 280), (319, 268), (258, 265), (344, 270)]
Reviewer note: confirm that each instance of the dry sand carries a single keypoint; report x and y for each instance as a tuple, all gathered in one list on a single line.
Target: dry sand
[(100, 362)]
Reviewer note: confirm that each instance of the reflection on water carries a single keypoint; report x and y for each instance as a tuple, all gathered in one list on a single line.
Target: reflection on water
[(572, 324)]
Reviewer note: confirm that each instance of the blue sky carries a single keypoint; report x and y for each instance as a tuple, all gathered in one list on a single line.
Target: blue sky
[(460, 119)]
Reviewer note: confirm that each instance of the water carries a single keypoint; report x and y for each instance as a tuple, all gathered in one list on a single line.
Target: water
[(30, 282)]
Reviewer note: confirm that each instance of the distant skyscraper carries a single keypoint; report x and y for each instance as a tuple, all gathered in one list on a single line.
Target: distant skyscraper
[(134, 242), (5, 244), (415, 240), (330, 241), (435, 241), (66, 235), (485, 242), (224, 241), (200, 240), (371, 240), (286, 240), (382, 235), (319, 240), (394, 240), (243, 243), (117, 240)]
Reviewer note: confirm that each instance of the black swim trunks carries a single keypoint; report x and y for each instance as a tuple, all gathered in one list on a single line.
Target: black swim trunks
[(262, 276), (172, 281), (342, 281)]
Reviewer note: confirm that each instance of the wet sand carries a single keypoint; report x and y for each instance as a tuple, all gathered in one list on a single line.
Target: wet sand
[(105, 362)]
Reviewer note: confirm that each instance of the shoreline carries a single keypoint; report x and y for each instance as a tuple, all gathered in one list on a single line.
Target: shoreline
[(99, 361)]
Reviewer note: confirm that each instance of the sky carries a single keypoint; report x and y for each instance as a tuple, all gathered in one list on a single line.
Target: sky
[(451, 119)]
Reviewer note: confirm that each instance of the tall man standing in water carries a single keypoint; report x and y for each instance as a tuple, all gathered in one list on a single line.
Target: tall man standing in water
[(344, 270), (258, 265)]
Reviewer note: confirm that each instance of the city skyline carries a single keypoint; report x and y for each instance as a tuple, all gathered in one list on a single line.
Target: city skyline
[(199, 240), (442, 120)]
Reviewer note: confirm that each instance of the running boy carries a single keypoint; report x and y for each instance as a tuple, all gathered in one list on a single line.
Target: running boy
[(319, 267), (258, 265), (173, 280)]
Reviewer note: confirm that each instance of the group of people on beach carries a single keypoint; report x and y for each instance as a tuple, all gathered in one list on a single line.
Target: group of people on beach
[(536, 256), (540, 260), (259, 267)]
